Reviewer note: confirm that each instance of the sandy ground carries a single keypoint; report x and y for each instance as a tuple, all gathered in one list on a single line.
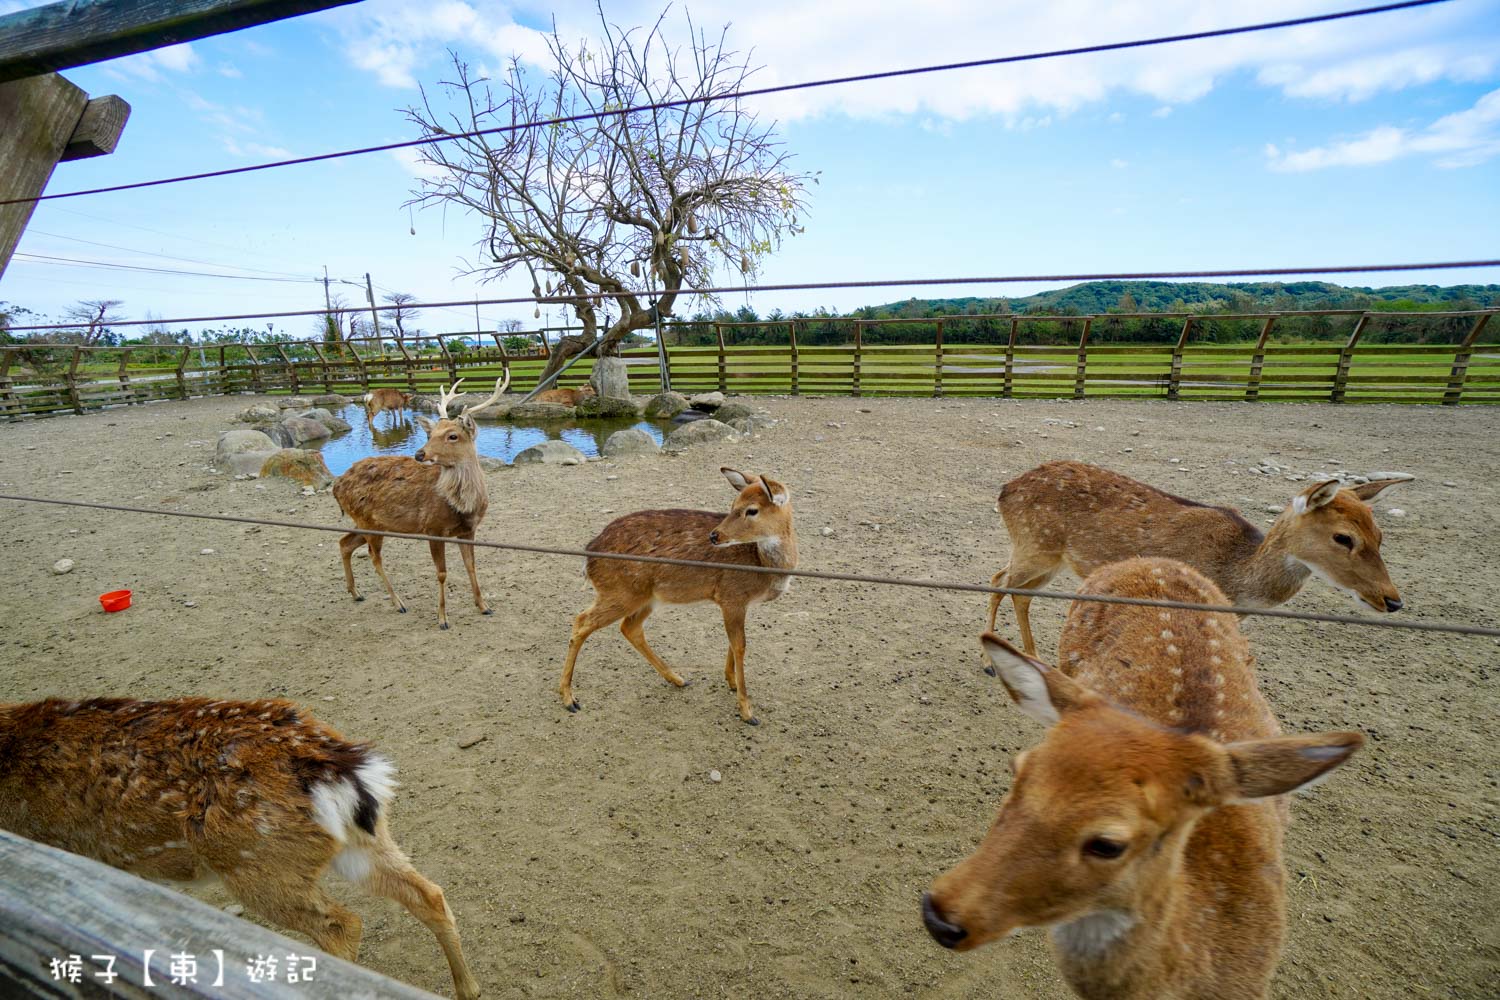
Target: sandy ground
[(590, 855)]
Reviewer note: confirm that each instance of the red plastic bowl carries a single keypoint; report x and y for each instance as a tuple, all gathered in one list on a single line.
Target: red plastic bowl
[(115, 600)]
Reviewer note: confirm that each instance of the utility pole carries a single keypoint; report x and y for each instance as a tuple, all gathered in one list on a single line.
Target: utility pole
[(374, 316)]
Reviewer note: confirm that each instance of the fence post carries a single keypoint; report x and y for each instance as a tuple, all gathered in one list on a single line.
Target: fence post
[(291, 370), (408, 361), (1258, 361), (1010, 359), (796, 375), (122, 374), (719, 333), (1341, 375), (8, 397), (72, 379), (1460, 373), (448, 357), (255, 380), (1081, 373), (1174, 378), (937, 372), (323, 360), (182, 389), (859, 341), (359, 362)]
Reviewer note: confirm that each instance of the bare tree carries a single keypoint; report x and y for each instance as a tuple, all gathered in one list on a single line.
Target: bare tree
[(401, 309), (98, 314), (641, 207)]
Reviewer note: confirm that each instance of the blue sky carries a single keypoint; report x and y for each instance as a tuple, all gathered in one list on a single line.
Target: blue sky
[(1362, 141)]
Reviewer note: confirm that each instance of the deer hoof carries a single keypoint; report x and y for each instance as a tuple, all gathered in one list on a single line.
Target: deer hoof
[(400, 611), (573, 706), (752, 721), (488, 611), (358, 598), (990, 669), (443, 626)]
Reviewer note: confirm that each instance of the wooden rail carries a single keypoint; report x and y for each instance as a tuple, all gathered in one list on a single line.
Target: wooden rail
[(56, 907), (43, 379)]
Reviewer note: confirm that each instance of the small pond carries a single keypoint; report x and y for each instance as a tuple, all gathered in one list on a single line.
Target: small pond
[(394, 434)]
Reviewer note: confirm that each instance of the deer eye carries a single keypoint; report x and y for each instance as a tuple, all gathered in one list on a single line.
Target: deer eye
[(751, 511), (1345, 541), (1103, 847), (452, 437)]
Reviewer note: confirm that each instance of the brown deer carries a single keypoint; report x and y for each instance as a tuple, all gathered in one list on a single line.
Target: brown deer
[(1144, 828), (377, 400), (440, 491), (1087, 516), (567, 397), (256, 795), (757, 531)]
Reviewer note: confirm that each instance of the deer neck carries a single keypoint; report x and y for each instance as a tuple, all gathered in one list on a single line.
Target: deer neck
[(462, 485), (779, 552), (1268, 575)]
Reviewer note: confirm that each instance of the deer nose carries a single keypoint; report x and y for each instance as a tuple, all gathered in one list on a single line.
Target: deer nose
[(713, 538), (421, 455), (1393, 604), (946, 934)]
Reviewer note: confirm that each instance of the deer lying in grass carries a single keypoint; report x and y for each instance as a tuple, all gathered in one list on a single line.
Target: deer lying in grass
[(1087, 517), (439, 492), (1143, 828), (257, 795), (567, 397), (757, 531), (377, 400)]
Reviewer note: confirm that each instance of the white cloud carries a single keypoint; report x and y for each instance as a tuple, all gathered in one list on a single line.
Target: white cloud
[(230, 70), (1462, 139), (410, 159), (254, 150), (1119, 164), (394, 38), (1359, 79), (1162, 112), (155, 64)]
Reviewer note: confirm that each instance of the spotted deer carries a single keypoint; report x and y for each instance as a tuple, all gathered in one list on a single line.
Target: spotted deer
[(379, 400), (440, 491), (757, 531), (1085, 516), (1144, 829), (567, 397), (258, 796)]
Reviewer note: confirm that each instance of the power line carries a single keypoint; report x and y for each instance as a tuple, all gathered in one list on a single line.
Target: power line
[(165, 256), (1456, 628), (173, 236), (1248, 272), (44, 258), (740, 94)]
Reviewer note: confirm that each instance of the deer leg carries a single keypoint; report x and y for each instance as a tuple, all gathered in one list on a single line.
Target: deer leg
[(467, 552), (298, 903), (634, 627), (348, 545), (391, 875), (1027, 570), (375, 542), (599, 614), (998, 580), (440, 560), (729, 668), (734, 626)]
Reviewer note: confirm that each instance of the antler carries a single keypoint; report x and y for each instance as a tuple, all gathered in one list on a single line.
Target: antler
[(500, 387), (447, 396)]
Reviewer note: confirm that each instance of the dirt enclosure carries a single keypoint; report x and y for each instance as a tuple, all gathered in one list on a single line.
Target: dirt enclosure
[(592, 856)]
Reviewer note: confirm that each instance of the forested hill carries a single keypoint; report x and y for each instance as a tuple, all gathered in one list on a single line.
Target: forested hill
[(1096, 297)]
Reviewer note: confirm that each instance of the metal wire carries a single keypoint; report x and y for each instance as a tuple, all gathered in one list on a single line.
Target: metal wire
[(740, 94), (820, 285), (973, 588)]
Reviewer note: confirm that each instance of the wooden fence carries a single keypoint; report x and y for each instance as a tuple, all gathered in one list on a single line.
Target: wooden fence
[(126, 935), (1349, 370)]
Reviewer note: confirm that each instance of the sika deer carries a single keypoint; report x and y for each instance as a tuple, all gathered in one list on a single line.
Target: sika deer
[(757, 531), (439, 492), (257, 795), (377, 400), (1143, 829), (1087, 517), (567, 397)]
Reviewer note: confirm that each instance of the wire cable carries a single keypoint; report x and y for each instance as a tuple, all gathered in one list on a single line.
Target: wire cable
[(740, 94), (42, 258), (824, 285), (1456, 628), (164, 256)]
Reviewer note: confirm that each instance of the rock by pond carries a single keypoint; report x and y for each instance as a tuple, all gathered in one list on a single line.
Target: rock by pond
[(631, 441), (698, 432), (609, 406), (551, 452), (609, 378), (234, 442), (708, 402), (540, 411), (302, 465), (666, 404)]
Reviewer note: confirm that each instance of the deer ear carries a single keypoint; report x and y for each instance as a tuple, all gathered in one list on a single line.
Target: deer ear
[(1369, 491), (1040, 692), (468, 424), (775, 491), (1284, 763), (736, 478), (426, 424), (1316, 495)]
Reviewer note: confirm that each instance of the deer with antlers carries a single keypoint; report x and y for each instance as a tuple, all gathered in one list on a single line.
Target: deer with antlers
[(440, 491), (258, 796), (1085, 516), (1145, 828), (757, 531)]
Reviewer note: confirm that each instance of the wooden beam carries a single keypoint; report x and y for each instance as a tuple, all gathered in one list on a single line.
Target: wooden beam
[(37, 118), (98, 131), (78, 32)]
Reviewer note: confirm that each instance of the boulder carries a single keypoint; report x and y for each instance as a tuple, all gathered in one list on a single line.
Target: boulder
[(489, 464), (610, 378), (293, 402), (257, 413), (334, 401), (688, 416), (303, 429), (424, 404), (335, 425), (631, 441), (708, 402), (248, 463), (498, 410), (234, 442), (540, 411), (733, 411), (697, 432), (665, 405), (551, 453), (609, 406), (305, 466)]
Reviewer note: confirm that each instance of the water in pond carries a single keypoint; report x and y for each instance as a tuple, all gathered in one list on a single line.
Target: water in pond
[(394, 434)]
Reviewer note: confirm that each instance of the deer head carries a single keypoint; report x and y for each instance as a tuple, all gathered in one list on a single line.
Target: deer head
[(761, 513), (450, 440), (1332, 531)]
